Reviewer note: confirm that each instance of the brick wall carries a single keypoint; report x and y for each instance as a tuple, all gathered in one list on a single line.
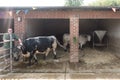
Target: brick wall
[(74, 33), (19, 25)]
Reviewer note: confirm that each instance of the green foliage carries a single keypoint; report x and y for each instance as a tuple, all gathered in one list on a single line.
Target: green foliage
[(75, 40), (105, 3), (73, 3)]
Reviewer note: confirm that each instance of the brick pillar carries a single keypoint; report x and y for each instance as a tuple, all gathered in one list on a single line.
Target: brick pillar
[(19, 28), (74, 33)]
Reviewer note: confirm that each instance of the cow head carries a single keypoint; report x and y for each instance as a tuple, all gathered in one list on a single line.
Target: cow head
[(24, 52), (22, 48), (16, 54)]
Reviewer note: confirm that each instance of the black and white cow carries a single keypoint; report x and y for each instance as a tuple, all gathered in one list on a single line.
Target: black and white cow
[(83, 38), (41, 44)]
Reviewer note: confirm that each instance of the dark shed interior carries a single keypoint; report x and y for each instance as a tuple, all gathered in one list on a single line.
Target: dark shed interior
[(46, 27), (112, 26)]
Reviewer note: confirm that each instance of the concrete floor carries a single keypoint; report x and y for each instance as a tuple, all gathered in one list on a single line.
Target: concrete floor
[(63, 76), (64, 72)]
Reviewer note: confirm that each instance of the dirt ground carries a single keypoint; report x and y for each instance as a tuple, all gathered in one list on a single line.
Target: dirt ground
[(94, 63), (89, 59)]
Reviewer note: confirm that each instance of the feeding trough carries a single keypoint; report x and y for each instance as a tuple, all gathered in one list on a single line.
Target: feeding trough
[(100, 35)]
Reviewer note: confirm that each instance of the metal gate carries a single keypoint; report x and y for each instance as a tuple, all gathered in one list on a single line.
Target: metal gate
[(5, 55)]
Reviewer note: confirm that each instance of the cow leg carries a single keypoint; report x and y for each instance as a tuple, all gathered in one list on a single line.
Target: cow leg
[(35, 58), (81, 46), (30, 58), (65, 45), (55, 55), (54, 48), (24, 59), (47, 52)]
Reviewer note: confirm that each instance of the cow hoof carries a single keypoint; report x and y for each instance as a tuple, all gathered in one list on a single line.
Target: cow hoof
[(29, 64), (25, 60), (81, 48), (65, 50), (16, 59), (36, 62), (55, 57)]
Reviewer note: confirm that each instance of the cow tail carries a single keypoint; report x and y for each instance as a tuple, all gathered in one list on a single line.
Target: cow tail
[(60, 44)]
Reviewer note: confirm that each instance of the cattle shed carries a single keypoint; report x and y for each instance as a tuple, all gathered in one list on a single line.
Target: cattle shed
[(44, 21)]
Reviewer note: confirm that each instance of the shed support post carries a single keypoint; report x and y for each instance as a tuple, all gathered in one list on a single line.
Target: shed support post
[(74, 35), (19, 25)]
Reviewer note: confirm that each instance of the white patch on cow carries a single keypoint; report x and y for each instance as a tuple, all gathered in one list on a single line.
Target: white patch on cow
[(47, 51), (54, 45), (26, 55), (37, 52), (81, 45), (54, 51), (19, 47)]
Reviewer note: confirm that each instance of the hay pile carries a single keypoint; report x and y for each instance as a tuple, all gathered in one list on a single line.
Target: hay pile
[(93, 56)]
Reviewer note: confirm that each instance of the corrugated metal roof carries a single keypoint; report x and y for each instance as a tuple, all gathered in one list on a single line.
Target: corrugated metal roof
[(61, 8)]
